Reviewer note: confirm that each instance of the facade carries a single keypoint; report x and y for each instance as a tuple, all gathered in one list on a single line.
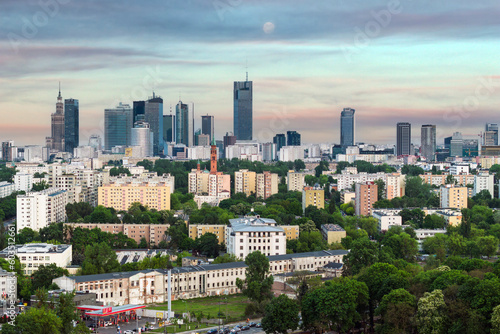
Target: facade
[(243, 110), (453, 197), (23, 181), (314, 196), (208, 126), (387, 219), (229, 140), (197, 230), (295, 181), (291, 153), (245, 182), (403, 139), (252, 233), (202, 140), (139, 111), (7, 150), (279, 140), (428, 142), (38, 209), (71, 125), (267, 184), (56, 140), (95, 142), (459, 169), (143, 137), (268, 152), (118, 123), (291, 231), (394, 182), (153, 115), (6, 189), (184, 117), (347, 126), (366, 195), (292, 138), (484, 181), (150, 286), (439, 180), (120, 196), (493, 138), (33, 256), (456, 145), (169, 127), (332, 233), (153, 233)]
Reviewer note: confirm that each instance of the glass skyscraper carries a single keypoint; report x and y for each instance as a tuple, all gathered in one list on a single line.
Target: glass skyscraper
[(71, 125), (279, 140), (292, 138), (184, 118), (169, 128), (347, 127), (153, 115), (403, 139), (243, 110), (207, 126), (118, 123), (428, 142)]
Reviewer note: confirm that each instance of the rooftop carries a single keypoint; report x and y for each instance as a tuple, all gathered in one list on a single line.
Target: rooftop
[(38, 248), (332, 228), (254, 224)]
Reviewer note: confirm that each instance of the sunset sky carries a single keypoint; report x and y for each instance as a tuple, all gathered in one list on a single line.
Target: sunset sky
[(424, 62)]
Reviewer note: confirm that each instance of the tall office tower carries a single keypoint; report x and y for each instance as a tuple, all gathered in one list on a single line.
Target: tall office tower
[(118, 123), (95, 142), (169, 128), (184, 118), (492, 127), (71, 125), (7, 150), (403, 139), (139, 109), (456, 145), (428, 142), (243, 109), (153, 115), (292, 138), (347, 127), (279, 140), (207, 126), (56, 140), (143, 137)]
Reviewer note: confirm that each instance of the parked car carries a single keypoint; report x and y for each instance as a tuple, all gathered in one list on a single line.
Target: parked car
[(259, 325), (252, 324), (212, 331), (245, 328)]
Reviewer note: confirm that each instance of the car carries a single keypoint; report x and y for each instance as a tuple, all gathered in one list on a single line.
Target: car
[(151, 327), (212, 331), (236, 329), (259, 325), (252, 324), (245, 328), (128, 332)]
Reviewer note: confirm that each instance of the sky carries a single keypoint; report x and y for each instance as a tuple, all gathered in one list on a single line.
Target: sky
[(423, 62)]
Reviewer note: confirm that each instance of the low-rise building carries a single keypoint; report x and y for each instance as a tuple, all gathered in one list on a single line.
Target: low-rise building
[(197, 230), (33, 256), (423, 234), (347, 196), (291, 231), (332, 233), (386, 219)]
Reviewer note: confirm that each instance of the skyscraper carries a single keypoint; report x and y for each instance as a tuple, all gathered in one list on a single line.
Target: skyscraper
[(153, 115), (56, 140), (491, 134), (169, 128), (71, 125), (143, 137), (347, 127), (118, 124), (292, 138), (403, 139), (184, 118), (207, 126), (243, 110), (139, 108), (279, 140), (428, 142), (456, 145)]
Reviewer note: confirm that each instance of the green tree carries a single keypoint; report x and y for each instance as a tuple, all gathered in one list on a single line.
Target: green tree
[(27, 235), (380, 189), (66, 311), (281, 315), (42, 278), (35, 320), (99, 259), (397, 309), (430, 313), (207, 244), (495, 318), (40, 186), (258, 282), (363, 253), (488, 246), (226, 258)]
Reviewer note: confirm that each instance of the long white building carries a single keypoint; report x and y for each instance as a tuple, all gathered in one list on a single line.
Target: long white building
[(6, 189), (39, 209), (252, 233), (23, 181)]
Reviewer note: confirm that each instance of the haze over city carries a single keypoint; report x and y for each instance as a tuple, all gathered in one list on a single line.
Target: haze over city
[(422, 62)]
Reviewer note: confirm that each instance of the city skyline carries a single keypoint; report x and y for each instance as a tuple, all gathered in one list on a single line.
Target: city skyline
[(304, 70)]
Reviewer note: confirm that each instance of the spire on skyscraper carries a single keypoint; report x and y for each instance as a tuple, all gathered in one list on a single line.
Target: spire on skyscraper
[(59, 97)]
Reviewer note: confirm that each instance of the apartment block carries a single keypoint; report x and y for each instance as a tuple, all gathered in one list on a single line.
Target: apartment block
[(394, 182), (6, 189), (23, 181), (484, 181), (294, 181), (153, 233), (439, 180), (267, 184), (39, 209), (197, 230), (387, 219), (120, 196), (366, 195), (291, 231), (314, 196), (332, 233), (453, 197), (245, 182)]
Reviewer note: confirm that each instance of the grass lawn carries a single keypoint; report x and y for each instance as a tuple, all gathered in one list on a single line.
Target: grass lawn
[(174, 329), (234, 307)]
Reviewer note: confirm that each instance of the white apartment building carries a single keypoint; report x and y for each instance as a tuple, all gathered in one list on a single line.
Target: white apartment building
[(252, 233), (8, 285), (295, 181), (291, 153), (39, 209), (23, 181), (33, 256), (394, 182), (6, 189), (459, 169), (198, 152), (484, 181), (387, 219), (244, 150)]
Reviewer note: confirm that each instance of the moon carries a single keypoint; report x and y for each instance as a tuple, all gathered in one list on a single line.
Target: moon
[(268, 27)]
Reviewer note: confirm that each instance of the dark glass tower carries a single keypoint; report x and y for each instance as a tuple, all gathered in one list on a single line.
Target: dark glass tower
[(428, 142), (184, 119), (243, 110), (71, 125), (279, 140), (153, 114), (207, 126), (118, 123), (347, 127), (169, 128), (139, 108), (292, 138), (403, 139)]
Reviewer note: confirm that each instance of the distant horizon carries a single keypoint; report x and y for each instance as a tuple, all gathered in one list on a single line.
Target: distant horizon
[(403, 61)]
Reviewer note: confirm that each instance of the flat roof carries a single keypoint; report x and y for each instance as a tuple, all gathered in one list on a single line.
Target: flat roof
[(111, 310)]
